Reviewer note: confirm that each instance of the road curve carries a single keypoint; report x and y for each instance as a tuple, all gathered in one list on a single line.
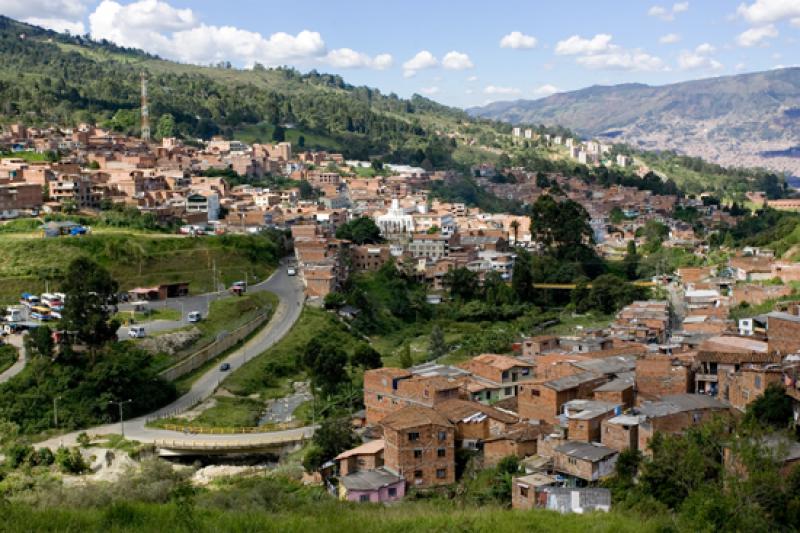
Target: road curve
[(17, 342), (289, 290)]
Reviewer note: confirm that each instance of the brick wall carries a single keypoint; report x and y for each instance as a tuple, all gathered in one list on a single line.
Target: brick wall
[(657, 376), (784, 335), (747, 385), (494, 451), (624, 397), (619, 437), (419, 461)]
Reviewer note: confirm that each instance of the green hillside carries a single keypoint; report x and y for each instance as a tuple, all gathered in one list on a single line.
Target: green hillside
[(49, 78)]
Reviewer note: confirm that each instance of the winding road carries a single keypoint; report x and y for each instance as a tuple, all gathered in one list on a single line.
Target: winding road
[(289, 290)]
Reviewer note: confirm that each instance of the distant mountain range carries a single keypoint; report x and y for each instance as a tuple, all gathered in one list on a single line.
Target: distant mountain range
[(746, 120)]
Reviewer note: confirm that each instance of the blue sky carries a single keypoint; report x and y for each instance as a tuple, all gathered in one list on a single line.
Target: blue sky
[(462, 53)]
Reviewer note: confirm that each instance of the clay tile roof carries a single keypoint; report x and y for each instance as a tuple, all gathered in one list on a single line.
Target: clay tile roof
[(414, 416), (457, 410), (368, 448), (502, 362)]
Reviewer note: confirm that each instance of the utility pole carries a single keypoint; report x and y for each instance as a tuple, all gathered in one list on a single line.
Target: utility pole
[(121, 417)]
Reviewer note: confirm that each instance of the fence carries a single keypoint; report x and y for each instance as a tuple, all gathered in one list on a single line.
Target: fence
[(202, 356), (200, 430)]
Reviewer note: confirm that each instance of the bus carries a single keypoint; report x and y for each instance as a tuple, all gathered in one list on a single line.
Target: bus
[(29, 299), (40, 312), (52, 301)]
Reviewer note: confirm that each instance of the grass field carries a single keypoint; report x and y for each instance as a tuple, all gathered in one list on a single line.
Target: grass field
[(162, 313), (27, 261), (321, 515)]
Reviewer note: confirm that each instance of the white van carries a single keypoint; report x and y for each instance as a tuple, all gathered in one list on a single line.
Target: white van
[(194, 316), (136, 332)]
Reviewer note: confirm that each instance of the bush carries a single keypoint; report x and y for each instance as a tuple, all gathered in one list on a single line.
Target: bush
[(71, 461)]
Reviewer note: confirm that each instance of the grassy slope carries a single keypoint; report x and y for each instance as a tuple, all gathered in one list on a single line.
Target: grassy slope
[(8, 356), (326, 516), (135, 259)]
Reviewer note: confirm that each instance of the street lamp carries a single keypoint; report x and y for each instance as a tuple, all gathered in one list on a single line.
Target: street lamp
[(121, 418)]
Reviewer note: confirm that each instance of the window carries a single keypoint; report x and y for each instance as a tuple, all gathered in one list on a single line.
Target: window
[(441, 452), (534, 392), (392, 492), (526, 371), (505, 375), (418, 474), (572, 461), (363, 498), (523, 491), (417, 453), (758, 382), (441, 473), (380, 397), (413, 435), (509, 390), (442, 435)]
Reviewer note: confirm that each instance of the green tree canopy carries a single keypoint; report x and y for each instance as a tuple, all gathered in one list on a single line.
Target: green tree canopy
[(91, 296)]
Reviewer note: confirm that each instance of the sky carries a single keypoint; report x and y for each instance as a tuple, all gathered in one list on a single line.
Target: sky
[(461, 53)]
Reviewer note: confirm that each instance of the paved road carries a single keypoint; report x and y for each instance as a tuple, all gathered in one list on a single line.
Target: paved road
[(290, 291), (184, 306), (16, 341)]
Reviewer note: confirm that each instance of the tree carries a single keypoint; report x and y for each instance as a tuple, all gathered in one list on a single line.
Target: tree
[(560, 225), (463, 283), (616, 216), (541, 181), (326, 365), (366, 357), (40, 341), (522, 277), (654, 233), (165, 126), (609, 293), (361, 230), (377, 165), (301, 141), (91, 295), (437, 347), (406, 360), (631, 261), (515, 229), (334, 435), (773, 408), (580, 295), (279, 134)]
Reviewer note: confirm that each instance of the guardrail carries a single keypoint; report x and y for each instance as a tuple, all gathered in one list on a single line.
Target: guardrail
[(226, 445), (209, 352), (200, 430)]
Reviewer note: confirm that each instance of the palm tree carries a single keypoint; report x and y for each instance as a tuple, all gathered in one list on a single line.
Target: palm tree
[(515, 229)]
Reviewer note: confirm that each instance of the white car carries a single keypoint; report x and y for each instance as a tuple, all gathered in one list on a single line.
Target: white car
[(291, 271), (194, 316), (136, 332)]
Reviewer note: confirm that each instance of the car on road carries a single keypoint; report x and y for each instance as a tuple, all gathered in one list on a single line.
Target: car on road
[(194, 316), (292, 271), (224, 367), (136, 332)]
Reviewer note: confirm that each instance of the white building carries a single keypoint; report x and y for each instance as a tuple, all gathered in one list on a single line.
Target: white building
[(395, 221)]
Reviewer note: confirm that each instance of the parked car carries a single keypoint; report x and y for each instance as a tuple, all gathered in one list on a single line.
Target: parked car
[(291, 271), (136, 332), (224, 367), (194, 316)]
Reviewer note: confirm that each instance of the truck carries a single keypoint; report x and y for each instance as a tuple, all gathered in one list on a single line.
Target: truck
[(14, 314)]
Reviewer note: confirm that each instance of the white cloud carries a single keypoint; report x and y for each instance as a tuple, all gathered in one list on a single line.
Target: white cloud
[(472, 78), (43, 9), (705, 48), (599, 53), (456, 61), (546, 90), (668, 14), (493, 89), (57, 15), (756, 35), (619, 59), (669, 38), (430, 90), (739, 66), (578, 45), (680, 7), (423, 60), (60, 25), (698, 59), (768, 11), (349, 58), (796, 22), (518, 40), (158, 27)]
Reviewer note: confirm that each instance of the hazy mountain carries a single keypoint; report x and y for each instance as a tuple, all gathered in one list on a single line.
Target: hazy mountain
[(744, 120)]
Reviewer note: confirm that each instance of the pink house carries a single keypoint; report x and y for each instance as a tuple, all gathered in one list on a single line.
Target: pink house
[(376, 486)]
